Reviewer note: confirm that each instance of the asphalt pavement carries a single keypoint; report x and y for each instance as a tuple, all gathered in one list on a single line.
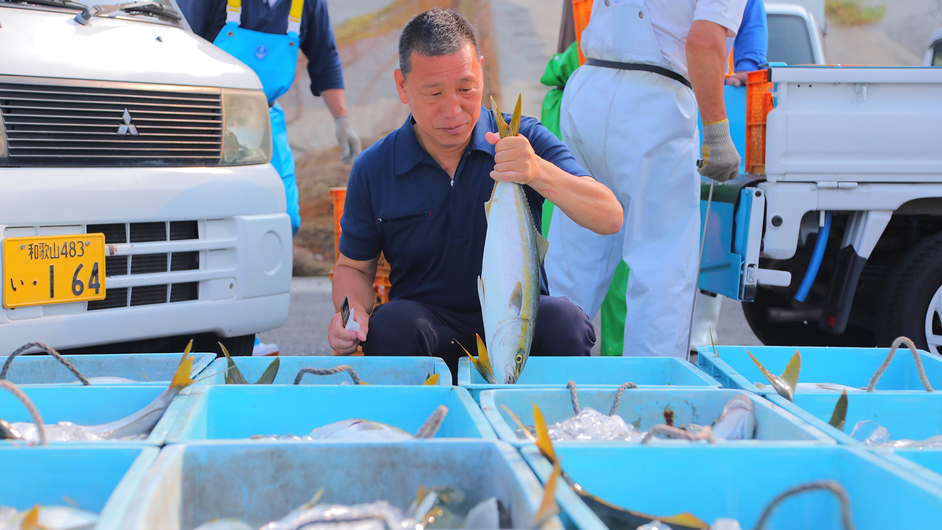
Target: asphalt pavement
[(305, 332)]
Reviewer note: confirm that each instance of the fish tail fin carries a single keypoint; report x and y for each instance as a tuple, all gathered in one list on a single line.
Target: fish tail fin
[(31, 521), (502, 126), (181, 378), (839, 416), (432, 379), (542, 435), (268, 376), (548, 508), (768, 375), (792, 370), (233, 374), (515, 120), (482, 363)]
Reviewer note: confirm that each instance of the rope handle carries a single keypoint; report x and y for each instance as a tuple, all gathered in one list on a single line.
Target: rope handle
[(705, 434), (574, 396), (30, 407), (26, 347), (329, 371), (827, 485), (889, 358)]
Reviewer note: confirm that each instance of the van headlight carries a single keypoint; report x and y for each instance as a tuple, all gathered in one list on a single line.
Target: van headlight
[(246, 130)]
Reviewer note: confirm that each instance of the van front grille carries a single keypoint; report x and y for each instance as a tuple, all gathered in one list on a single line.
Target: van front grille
[(84, 123)]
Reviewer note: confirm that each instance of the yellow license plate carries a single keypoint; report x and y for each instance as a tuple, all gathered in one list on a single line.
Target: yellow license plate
[(53, 269)]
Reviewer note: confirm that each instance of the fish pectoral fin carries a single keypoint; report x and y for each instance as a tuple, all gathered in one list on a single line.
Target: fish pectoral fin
[(181, 378), (792, 370), (268, 377), (516, 298), (839, 416), (31, 521), (548, 508), (542, 245), (481, 291), (482, 363), (233, 375)]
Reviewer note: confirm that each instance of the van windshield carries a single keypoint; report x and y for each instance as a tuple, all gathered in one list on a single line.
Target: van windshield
[(789, 40)]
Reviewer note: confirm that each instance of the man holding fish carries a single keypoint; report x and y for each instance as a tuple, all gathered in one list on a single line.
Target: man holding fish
[(418, 196)]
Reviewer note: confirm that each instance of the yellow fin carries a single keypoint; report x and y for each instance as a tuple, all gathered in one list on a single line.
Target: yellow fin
[(779, 383), (421, 494), (432, 380), (792, 370), (31, 521), (233, 374), (839, 416), (482, 363), (520, 425), (515, 120), (181, 378), (548, 508), (542, 245), (502, 126), (542, 435)]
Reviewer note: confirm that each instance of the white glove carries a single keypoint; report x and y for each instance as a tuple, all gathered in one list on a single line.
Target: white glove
[(347, 138), (720, 158)]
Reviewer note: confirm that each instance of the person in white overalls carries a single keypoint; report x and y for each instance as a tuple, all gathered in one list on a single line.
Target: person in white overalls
[(629, 116)]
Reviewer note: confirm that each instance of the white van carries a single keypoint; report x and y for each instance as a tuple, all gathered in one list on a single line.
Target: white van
[(138, 207)]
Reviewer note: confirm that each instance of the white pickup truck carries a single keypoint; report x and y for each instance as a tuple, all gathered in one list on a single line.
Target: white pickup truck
[(837, 238), (138, 207)]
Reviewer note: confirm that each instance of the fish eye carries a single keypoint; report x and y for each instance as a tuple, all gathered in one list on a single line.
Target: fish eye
[(519, 358)]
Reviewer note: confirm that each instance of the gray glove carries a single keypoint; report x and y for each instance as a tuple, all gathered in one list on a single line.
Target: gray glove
[(349, 141), (720, 159)]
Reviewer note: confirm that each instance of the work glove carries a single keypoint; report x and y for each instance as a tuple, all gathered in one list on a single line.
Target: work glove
[(347, 138), (720, 159)]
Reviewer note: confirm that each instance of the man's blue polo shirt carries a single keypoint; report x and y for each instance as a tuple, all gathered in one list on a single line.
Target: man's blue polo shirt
[(432, 228)]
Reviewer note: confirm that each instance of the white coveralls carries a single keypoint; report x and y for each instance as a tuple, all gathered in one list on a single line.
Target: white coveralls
[(636, 132)]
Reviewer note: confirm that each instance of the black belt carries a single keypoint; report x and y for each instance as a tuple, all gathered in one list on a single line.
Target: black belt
[(642, 67)]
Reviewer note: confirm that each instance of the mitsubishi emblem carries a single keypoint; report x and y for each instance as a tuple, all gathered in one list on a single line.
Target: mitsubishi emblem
[(127, 127)]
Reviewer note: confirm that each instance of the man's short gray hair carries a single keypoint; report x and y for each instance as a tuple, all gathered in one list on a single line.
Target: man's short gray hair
[(435, 33)]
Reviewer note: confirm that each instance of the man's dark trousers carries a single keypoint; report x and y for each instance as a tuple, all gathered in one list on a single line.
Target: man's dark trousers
[(409, 328)]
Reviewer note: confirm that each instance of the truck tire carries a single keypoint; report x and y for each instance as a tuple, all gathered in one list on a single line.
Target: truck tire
[(911, 299), (795, 333)]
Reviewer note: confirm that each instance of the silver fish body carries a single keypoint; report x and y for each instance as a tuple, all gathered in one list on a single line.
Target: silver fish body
[(738, 421), (509, 285)]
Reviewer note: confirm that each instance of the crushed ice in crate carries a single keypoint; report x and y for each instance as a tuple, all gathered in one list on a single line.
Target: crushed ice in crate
[(875, 435), (591, 424), (64, 431)]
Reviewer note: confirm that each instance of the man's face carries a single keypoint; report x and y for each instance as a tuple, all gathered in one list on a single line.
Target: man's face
[(444, 95)]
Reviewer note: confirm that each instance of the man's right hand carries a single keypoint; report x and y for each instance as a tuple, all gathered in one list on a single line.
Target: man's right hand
[(720, 159), (343, 341)]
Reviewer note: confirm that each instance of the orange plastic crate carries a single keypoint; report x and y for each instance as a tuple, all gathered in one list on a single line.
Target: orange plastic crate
[(758, 105), (581, 11), (381, 283)]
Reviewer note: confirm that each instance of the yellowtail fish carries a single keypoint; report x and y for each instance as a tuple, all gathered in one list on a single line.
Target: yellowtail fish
[(611, 515), (786, 383), (509, 285), (47, 518)]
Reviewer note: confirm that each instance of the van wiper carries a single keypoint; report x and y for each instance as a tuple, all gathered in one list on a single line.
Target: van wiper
[(150, 7), (50, 3)]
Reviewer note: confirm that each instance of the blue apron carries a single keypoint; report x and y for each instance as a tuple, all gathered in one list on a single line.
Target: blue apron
[(274, 59)]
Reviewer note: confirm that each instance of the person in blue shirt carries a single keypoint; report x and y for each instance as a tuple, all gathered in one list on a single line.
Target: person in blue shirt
[(266, 35), (259, 23), (752, 43), (418, 197)]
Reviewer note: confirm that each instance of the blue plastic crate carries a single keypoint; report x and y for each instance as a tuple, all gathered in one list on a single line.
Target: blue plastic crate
[(644, 408), (92, 405), (372, 370), (731, 481), (555, 372), (144, 368), (915, 416), (95, 478), (190, 484), (242, 411), (733, 368)]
